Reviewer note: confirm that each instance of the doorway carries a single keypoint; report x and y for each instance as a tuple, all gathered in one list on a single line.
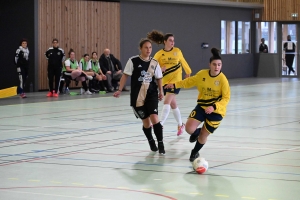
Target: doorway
[(289, 49)]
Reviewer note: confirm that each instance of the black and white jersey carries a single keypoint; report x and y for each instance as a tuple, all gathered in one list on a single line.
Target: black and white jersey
[(143, 79), (22, 56), (55, 56)]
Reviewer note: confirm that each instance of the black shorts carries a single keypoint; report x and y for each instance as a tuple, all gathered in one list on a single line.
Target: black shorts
[(173, 91), (149, 108), (211, 121)]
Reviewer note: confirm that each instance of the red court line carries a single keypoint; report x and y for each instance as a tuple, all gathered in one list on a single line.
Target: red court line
[(83, 187)]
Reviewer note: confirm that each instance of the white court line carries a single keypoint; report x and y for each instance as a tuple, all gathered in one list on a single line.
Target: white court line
[(65, 124), (54, 195)]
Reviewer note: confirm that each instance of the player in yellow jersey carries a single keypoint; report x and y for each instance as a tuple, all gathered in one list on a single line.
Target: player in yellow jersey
[(171, 60), (213, 97)]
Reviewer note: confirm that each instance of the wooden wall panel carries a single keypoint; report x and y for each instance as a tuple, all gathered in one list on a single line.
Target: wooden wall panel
[(247, 1), (281, 10), (84, 26)]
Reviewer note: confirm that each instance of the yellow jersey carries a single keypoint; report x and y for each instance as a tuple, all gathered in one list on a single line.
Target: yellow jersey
[(173, 61), (212, 90)]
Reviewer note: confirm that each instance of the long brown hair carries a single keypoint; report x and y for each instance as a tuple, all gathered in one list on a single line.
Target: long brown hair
[(158, 37)]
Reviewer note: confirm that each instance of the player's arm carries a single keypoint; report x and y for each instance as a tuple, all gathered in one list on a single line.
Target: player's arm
[(186, 83), (220, 106), (122, 85), (185, 65), (158, 77), (127, 72)]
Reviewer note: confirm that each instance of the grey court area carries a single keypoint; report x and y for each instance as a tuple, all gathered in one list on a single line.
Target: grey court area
[(93, 147)]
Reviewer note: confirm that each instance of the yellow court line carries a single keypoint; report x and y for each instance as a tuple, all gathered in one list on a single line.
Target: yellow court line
[(171, 191), (13, 179), (221, 195), (99, 185), (34, 180)]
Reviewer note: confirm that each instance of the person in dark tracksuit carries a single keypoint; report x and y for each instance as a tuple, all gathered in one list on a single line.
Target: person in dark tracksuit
[(289, 48), (55, 56), (22, 62)]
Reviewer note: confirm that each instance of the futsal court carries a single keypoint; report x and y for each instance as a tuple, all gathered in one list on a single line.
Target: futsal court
[(93, 148)]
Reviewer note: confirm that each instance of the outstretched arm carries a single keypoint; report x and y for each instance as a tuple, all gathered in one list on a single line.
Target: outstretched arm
[(122, 84)]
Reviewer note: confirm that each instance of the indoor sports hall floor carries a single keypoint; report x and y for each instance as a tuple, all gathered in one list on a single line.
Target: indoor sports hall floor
[(93, 148)]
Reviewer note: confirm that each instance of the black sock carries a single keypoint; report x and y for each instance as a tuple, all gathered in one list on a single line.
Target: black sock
[(158, 131), (197, 147), (196, 132), (148, 133)]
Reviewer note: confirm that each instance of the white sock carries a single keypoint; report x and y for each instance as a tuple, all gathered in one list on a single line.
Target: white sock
[(165, 113), (177, 115)]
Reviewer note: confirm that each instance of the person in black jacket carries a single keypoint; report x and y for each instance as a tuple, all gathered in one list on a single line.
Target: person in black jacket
[(289, 47), (263, 48), (55, 56), (22, 62), (112, 68)]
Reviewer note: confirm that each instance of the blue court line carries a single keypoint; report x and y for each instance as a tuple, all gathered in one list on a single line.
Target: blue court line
[(155, 164), (75, 131), (63, 133)]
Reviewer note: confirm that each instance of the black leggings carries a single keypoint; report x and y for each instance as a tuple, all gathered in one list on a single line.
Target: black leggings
[(54, 72), (23, 75)]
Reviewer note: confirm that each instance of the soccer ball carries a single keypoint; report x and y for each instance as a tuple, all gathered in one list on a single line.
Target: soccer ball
[(200, 165)]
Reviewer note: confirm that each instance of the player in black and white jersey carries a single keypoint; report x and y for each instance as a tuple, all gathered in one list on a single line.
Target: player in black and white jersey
[(55, 57), (146, 90)]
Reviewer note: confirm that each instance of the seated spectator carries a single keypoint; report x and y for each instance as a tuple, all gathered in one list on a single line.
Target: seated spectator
[(71, 71), (94, 66), (112, 68)]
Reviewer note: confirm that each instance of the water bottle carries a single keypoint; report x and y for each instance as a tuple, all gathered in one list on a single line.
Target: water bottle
[(81, 90), (31, 87), (67, 91)]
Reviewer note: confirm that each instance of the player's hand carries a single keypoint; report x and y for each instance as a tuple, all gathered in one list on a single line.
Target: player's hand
[(187, 75), (209, 110), (108, 72), (160, 96), (169, 86), (163, 69), (117, 94)]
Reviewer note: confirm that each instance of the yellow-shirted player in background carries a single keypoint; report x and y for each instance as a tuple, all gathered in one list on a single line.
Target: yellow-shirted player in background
[(171, 61), (213, 97)]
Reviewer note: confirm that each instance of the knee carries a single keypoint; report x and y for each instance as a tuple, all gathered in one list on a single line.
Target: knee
[(189, 130)]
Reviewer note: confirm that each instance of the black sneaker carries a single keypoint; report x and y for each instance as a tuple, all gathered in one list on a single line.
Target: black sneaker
[(152, 145), (194, 137), (193, 156), (161, 148)]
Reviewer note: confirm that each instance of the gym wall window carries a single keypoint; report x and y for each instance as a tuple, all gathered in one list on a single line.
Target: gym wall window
[(267, 30), (235, 37)]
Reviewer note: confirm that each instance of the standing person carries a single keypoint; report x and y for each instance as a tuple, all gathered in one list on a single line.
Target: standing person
[(171, 60), (22, 62), (289, 48), (72, 71), (263, 48), (112, 68), (94, 66), (55, 56), (146, 90), (213, 97)]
